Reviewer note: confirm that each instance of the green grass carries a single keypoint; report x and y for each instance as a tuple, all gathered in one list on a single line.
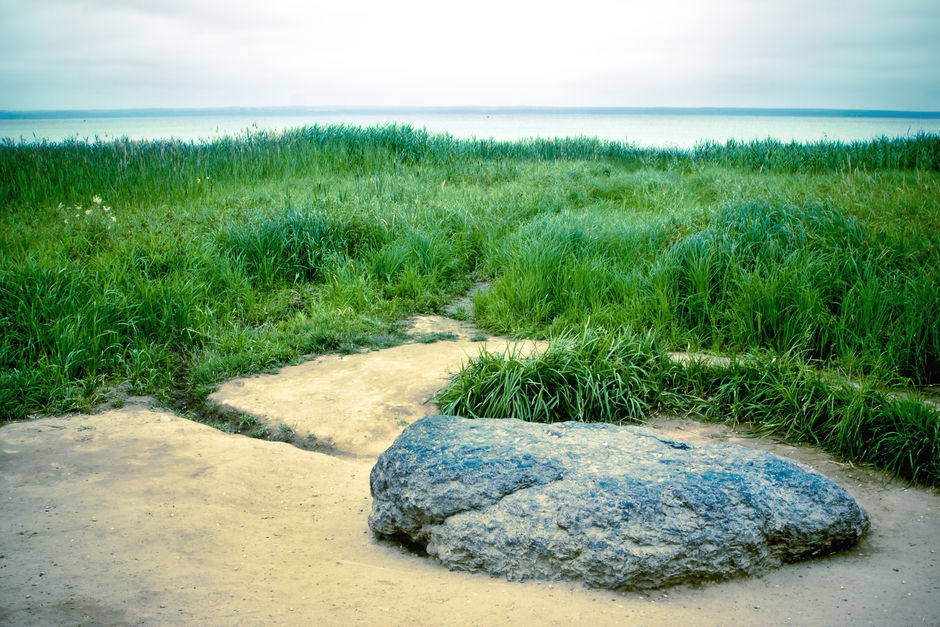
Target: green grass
[(166, 267), (625, 377), (594, 376), (809, 280)]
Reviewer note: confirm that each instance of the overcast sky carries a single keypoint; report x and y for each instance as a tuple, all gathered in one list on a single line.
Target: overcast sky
[(859, 54)]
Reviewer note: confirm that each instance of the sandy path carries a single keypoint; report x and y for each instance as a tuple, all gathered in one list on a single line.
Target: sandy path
[(358, 404), (136, 516)]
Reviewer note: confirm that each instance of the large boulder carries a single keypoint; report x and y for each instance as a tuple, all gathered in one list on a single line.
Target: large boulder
[(612, 506)]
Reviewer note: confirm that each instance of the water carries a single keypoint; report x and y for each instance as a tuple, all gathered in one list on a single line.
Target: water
[(645, 129)]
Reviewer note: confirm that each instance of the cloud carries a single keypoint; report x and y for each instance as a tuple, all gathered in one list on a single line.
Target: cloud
[(132, 53)]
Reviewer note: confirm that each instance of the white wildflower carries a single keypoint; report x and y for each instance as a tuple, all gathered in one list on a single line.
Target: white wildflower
[(107, 208), (96, 199), (87, 211), (113, 219), (66, 220), (198, 180)]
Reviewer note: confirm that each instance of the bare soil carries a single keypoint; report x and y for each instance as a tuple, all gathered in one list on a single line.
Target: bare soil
[(137, 516), (356, 405)]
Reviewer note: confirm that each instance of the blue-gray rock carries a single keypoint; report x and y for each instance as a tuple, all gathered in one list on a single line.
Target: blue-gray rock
[(611, 506)]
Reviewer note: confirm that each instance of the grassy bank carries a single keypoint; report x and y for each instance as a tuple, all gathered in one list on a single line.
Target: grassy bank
[(165, 267)]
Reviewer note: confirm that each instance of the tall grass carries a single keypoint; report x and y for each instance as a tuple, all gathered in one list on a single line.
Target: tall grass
[(593, 376), (621, 376), (34, 174), (753, 276), (164, 267), (66, 327), (294, 246), (159, 311)]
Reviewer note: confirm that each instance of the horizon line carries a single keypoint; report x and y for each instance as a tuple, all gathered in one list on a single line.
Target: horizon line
[(14, 114)]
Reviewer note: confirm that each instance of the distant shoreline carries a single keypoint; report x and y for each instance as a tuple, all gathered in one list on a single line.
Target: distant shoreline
[(526, 110)]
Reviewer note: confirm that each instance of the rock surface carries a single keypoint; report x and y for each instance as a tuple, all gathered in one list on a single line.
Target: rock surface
[(614, 507)]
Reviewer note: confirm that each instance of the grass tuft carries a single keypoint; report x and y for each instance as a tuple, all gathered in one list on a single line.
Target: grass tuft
[(598, 376)]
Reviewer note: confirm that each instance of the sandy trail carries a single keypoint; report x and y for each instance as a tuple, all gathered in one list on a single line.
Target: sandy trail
[(358, 404), (136, 516)]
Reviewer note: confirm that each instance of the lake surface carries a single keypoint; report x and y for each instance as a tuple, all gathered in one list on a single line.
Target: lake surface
[(645, 129)]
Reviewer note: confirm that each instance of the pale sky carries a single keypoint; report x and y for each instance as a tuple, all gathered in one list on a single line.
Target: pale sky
[(91, 54)]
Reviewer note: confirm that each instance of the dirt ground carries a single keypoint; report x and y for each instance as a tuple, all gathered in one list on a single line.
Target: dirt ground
[(137, 516), (356, 405)]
